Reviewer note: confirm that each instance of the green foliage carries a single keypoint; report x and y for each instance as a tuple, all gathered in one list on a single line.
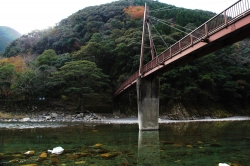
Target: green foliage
[(46, 58), (222, 77), (87, 51), (7, 76), (61, 60), (26, 84), (81, 79), (111, 40)]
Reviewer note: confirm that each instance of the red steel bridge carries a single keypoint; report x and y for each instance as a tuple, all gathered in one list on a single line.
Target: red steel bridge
[(229, 26)]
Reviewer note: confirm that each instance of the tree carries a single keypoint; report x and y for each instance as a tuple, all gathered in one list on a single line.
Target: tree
[(34, 83), (46, 58), (81, 79), (10, 69), (136, 12), (61, 60), (87, 51), (7, 76), (26, 84)]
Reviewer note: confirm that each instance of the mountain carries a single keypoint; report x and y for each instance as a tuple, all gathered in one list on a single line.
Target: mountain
[(106, 31), (108, 20), (7, 35)]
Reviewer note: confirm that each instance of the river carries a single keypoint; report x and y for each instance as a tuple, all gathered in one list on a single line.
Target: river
[(178, 143)]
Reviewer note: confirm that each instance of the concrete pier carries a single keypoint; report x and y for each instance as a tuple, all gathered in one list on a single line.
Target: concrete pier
[(148, 90)]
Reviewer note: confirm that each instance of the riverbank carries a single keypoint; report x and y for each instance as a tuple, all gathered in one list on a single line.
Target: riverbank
[(104, 118)]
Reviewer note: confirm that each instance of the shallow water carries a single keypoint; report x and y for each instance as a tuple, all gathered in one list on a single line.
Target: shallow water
[(189, 144)]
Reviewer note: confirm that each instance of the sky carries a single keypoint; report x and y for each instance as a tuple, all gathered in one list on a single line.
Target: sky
[(27, 15)]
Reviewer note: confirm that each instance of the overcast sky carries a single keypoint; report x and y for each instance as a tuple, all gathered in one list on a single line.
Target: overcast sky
[(27, 15)]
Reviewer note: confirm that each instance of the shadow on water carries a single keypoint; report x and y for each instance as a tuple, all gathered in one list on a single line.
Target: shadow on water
[(194, 143)]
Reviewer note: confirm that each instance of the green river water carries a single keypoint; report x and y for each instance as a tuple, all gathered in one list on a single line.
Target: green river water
[(175, 144)]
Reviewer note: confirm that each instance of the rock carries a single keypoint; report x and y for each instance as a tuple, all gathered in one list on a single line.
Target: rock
[(56, 150), (16, 155), (54, 115), (223, 164), (31, 152), (25, 119), (199, 142), (87, 117), (54, 160), (43, 155), (97, 145), (72, 156), (47, 117), (80, 162), (68, 117), (177, 145), (109, 155), (78, 116)]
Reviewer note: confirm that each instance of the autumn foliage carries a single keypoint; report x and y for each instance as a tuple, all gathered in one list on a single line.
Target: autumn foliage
[(136, 12), (17, 61), (9, 69)]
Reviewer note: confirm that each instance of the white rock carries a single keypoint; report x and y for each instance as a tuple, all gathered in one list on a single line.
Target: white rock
[(54, 115), (223, 164), (25, 119), (47, 117), (57, 150), (28, 152)]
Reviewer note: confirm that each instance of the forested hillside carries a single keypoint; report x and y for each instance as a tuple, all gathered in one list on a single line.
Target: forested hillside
[(86, 56), (7, 35)]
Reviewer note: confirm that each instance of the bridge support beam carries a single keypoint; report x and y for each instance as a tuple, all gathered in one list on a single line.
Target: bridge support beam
[(148, 90)]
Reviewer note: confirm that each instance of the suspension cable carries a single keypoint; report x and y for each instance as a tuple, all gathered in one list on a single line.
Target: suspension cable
[(161, 21), (167, 7), (153, 43), (159, 10), (172, 23), (160, 36)]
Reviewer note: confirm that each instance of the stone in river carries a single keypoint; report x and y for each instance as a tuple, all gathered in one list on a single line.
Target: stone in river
[(54, 160), (30, 152), (56, 150), (80, 162), (43, 155)]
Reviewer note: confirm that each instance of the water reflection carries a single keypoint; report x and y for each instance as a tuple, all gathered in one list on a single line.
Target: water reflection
[(199, 143), (148, 148)]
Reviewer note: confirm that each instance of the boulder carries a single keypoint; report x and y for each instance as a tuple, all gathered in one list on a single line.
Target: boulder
[(54, 115)]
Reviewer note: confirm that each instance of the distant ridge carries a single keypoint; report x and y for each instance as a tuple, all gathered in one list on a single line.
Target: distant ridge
[(7, 35)]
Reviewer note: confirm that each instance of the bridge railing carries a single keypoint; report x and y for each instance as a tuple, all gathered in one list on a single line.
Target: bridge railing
[(216, 23)]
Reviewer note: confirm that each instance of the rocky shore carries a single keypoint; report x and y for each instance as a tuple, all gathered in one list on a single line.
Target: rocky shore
[(48, 112), (55, 116), (101, 118)]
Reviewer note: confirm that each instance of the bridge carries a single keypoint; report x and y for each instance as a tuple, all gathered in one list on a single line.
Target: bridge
[(227, 27)]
